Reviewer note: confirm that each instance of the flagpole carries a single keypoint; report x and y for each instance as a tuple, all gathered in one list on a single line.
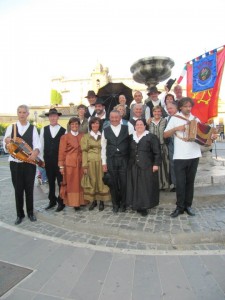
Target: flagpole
[(205, 53)]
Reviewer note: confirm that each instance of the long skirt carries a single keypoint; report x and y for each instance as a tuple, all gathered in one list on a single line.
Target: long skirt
[(71, 191), (98, 191), (142, 188), (164, 181)]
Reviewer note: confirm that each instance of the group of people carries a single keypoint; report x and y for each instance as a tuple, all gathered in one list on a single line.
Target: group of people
[(125, 157)]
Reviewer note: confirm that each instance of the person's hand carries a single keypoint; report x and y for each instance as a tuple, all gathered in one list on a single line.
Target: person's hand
[(180, 128), (166, 89), (214, 136), (149, 121), (61, 170), (104, 168), (33, 155), (85, 171), (155, 169), (7, 140)]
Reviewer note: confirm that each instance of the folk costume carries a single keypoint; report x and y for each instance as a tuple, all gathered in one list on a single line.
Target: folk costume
[(22, 173), (91, 159), (158, 130), (142, 183), (115, 149), (70, 158), (50, 138)]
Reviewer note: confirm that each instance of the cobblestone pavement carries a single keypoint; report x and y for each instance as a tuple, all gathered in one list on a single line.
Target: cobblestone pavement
[(125, 231)]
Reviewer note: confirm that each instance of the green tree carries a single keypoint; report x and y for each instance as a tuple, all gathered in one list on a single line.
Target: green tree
[(3, 127), (56, 97)]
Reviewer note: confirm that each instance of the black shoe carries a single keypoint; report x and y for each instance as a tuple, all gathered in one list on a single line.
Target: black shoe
[(189, 211), (60, 207), (115, 209), (101, 206), (123, 209), (144, 212), (176, 213), (93, 205), (76, 208), (19, 220), (51, 204), (32, 218), (173, 189)]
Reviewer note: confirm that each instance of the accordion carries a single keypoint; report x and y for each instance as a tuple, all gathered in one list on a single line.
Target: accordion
[(199, 133)]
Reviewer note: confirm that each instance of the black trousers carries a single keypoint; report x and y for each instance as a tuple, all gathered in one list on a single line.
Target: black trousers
[(185, 171), (53, 174), (117, 168), (23, 176)]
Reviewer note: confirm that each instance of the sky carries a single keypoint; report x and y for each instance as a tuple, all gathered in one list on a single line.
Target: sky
[(41, 39)]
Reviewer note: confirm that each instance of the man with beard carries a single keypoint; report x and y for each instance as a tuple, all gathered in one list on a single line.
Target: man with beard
[(101, 113)]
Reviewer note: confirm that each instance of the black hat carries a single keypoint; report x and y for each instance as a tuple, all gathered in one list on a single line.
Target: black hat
[(99, 101), (90, 94), (170, 82), (53, 111), (153, 90), (107, 179)]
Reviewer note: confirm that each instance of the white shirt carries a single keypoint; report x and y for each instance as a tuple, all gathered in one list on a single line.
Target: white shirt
[(91, 109), (116, 130), (183, 149), (53, 130), (137, 138), (21, 130), (95, 135)]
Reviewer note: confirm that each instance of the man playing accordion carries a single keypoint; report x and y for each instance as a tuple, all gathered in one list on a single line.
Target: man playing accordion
[(186, 157)]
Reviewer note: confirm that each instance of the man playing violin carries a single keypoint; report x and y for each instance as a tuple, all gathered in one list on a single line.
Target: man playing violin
[(23, 173)]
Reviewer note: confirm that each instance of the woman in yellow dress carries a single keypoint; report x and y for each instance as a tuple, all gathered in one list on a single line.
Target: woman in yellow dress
[(92, 165)]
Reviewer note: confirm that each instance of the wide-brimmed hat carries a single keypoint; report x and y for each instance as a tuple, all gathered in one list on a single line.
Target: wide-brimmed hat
[(170, 82), (153, 90), (90, 94), (100, 101), (107, 179), (53, 111)]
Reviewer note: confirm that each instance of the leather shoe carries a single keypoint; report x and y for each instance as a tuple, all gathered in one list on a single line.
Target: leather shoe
[(176, 213), (189, 211), (19, 220), (101, 206), (93, 205), (115, 209), (144, 212), (173, 189), (123, 209), (50, 205), (77, 208), (32, 218), (60, 207)]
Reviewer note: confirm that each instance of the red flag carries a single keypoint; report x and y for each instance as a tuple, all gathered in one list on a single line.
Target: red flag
[(206, 101)]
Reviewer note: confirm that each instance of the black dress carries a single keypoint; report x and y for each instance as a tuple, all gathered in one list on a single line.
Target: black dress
[(142, 183)]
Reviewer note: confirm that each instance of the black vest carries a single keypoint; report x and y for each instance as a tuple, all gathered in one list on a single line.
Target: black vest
[(27, 136), (51, 145), (117, 145)]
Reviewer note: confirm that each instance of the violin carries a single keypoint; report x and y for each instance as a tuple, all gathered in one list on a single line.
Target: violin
[(20, 150)]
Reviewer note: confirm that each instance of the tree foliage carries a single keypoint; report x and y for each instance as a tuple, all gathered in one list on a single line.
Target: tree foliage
[(3, 127), (56, 97)]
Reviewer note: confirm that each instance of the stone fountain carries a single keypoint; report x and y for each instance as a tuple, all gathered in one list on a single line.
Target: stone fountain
[(152, 70)]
